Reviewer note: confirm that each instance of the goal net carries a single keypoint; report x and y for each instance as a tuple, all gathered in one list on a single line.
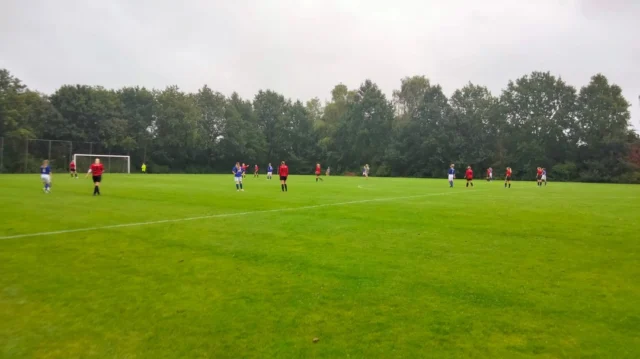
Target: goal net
[(112, 163)]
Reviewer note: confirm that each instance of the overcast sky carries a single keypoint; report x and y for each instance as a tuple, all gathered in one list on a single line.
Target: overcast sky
[(303, 48)]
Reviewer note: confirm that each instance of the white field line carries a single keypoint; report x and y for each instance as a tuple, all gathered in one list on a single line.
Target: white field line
[(222, 215), (362, 187)]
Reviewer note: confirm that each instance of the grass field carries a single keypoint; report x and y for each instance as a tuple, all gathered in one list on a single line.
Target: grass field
[(384, 268)]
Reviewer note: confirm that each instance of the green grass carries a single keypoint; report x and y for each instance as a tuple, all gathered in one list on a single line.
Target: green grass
[(485, 272)]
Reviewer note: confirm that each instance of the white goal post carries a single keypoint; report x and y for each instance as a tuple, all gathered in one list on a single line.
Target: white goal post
[(105, 159)]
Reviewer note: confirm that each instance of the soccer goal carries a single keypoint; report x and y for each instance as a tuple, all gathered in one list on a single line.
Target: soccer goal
[(112, 163)]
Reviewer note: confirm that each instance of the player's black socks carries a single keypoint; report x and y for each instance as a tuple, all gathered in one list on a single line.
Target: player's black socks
[(316, 179), (95, 190), (471, 184), (505, 185), (237, 187), (467, 184), (509, 185), (282, 186), (285, 188)]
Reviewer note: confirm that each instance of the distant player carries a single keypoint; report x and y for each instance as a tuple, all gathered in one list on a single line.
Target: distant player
[(318, 173), (452, 174), (256, 171), (96, 171), (143, 168), (489, 174), (244, 170), (269, 171), (539, 176), (72, 169), (237, 176), (328, 171), (283, 171), (365, 171), (544, 176), (469, 176), (45, 176), (507, 177)]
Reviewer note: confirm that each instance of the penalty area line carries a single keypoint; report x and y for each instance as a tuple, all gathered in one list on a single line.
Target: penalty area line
[(223, 215)]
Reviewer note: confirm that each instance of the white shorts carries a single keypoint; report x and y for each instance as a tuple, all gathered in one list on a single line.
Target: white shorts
[(544, 177), (450, 177), (238, 179), (45, 178), (269, 173)]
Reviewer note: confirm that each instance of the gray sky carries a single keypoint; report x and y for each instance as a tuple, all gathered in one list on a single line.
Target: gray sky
[(303, 48)]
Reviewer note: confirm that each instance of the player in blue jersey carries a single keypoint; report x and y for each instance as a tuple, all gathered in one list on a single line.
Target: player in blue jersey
[(544, 176), (45, 176), (452, 174), (237, 175), (269, 171)]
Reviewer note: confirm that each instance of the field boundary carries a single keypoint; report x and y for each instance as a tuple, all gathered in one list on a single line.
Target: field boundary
[(224, 215)]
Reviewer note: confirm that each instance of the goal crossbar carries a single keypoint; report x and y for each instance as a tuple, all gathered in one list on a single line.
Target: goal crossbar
[(128, 158)]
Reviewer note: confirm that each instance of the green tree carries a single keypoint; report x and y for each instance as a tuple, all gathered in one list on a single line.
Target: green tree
[(603, 130), (422, 136), (138, 109), (176, 138), (540, 112), (270, 109), (473, 128), (363, 135)]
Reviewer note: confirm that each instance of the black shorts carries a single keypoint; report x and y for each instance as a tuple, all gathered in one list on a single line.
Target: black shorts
[(97, 179), (469, 179), (72, 170), (508, 178), (539, 177), (283, 178)]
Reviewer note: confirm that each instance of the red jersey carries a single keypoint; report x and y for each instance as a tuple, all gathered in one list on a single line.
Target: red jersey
[(244, 168), (318, 169), (283, 170), (256, 168), (72, 165), (509, 173), (469, 173), (539, 172), (97, 169)]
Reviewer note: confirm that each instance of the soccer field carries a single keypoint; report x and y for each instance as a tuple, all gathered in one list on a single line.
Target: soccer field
[(183, 266)]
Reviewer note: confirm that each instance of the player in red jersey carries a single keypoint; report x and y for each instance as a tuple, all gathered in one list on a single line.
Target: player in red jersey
[(507, 177), (283, 171), (96, 170), (539, 176), (318, 172), (244, 170), (256, 170), (72, 169), (469, 176)]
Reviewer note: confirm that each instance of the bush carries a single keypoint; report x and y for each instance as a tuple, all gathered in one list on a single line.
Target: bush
[(158, 169), (383, 171), (631, 177), (567, 171)]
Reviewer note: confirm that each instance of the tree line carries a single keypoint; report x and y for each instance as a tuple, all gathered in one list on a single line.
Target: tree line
[(537, 120)]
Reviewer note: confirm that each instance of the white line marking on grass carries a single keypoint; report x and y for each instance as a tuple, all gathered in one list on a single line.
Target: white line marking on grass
[(362, 187), (223, 215)]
